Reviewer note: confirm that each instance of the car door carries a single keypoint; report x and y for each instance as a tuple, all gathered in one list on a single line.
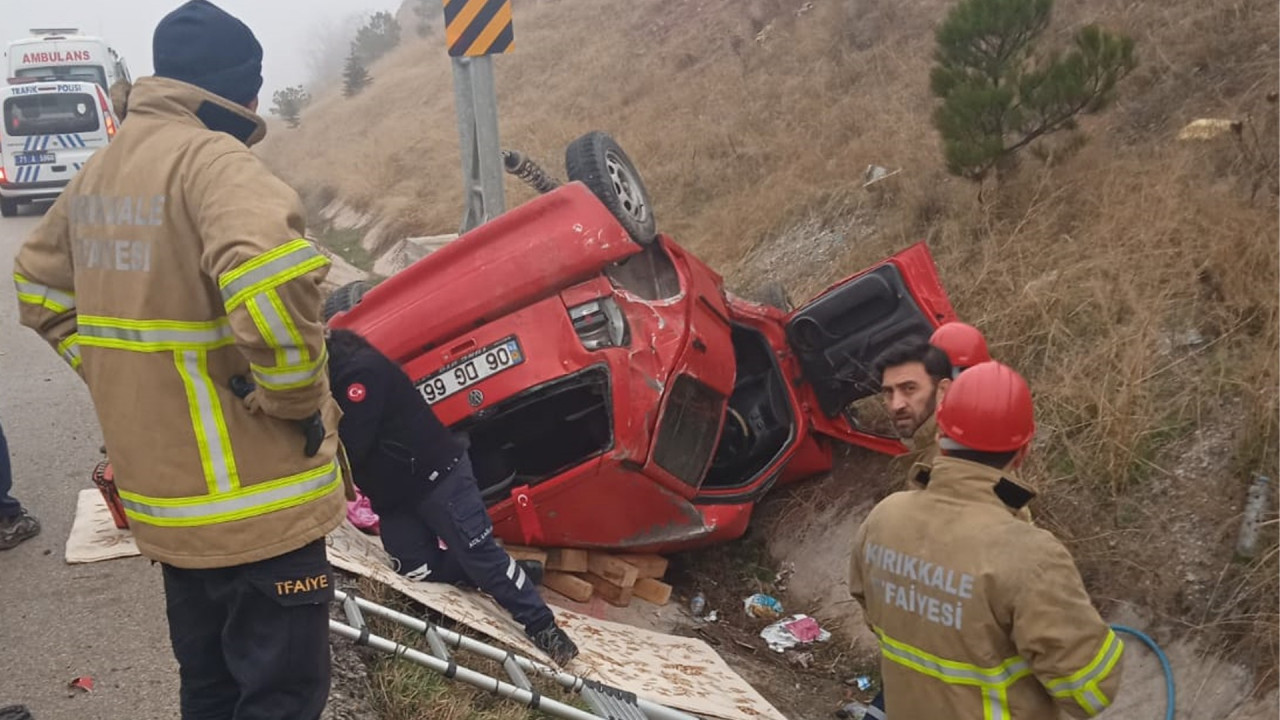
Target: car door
[(838, 335)]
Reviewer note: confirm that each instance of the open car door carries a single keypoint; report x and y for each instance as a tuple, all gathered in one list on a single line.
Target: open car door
[(838, 335)]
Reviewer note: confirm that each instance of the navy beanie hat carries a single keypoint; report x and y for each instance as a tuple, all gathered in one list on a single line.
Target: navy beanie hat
[(201, 44)]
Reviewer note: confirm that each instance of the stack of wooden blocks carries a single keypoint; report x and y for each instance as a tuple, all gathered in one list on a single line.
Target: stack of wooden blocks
[(615, 578)]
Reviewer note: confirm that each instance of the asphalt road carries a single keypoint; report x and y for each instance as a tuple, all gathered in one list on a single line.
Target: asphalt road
[(57, 621)]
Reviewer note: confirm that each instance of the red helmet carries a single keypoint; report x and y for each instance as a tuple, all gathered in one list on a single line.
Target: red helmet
[(962, 343), (988, 408)]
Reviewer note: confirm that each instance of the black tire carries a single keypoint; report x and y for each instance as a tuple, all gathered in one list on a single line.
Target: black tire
[(598, 162), (345, 298), (8, 208)]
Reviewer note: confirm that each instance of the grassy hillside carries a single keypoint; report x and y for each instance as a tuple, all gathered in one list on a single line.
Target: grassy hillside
[(1131, 277)]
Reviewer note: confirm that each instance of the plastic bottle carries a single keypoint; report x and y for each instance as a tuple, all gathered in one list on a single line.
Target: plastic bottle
[(1254, 507), (698, 604)]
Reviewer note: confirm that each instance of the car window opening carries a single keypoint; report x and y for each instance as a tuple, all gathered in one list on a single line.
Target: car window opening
[(649, 275), (540, 433), (687, 434), (67, 73), (759, 423), (50, 114)]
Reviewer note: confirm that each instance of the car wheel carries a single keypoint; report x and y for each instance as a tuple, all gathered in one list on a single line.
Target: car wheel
[(8, 208), (345, 298), (598, 162)]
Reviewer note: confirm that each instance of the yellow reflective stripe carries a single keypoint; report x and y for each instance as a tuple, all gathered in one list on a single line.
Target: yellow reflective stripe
[(277, 328), (268, 270), (264, 329), (246, 502), (291, 377), (290, 326), (993, 681), (958, 672), (69, 349), (207, 421), (1082, 685), (34, 293), (154, 335)]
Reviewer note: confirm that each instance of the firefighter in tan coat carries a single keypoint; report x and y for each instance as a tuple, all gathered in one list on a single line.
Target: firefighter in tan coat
[(979, 614), (173, 262)]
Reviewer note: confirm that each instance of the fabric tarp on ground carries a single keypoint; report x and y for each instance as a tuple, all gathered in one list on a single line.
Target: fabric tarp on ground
[(680, 672)]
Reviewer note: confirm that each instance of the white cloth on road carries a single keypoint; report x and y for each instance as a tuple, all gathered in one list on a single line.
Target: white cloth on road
[(94, 536)]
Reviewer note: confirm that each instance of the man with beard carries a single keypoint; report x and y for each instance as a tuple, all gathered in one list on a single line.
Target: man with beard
[(913, 377)]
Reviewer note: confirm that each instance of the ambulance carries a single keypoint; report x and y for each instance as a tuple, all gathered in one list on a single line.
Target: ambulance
[(50, 130), (65, 55)]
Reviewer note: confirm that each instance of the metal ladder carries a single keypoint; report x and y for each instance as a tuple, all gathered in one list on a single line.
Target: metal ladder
[(606, 702)]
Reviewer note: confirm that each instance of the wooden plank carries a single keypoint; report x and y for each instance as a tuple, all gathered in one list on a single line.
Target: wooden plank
[(520, 552), (613, 569), (570, 586), (611, 593), (651, 590), (650, 566), (567, 560)]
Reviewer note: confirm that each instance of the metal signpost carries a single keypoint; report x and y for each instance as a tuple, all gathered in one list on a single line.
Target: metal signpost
[(474, 31)]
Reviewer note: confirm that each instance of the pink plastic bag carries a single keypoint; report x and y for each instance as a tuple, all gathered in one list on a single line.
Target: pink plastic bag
[(805, 630), (361, 514)]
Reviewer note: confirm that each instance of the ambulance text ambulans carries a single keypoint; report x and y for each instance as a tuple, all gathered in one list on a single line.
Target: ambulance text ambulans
[(63, 54)]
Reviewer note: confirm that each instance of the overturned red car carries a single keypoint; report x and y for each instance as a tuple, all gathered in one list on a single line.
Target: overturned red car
[(614, 395)]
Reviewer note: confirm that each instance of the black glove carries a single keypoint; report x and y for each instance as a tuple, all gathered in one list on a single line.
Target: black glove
[(312, 427)]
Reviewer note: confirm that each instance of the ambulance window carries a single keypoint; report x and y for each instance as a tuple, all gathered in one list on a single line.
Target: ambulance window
[(70, 73), (50, 114)]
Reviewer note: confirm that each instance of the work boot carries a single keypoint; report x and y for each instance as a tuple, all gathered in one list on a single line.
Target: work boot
[(532, 570), (555, 643), (13, 530)]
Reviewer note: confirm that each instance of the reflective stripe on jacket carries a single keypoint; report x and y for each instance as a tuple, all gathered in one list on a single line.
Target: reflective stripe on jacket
[(979, 614), (172, 262)]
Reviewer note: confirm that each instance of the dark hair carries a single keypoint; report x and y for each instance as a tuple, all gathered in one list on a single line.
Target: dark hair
[(990, 459), (343, 344), (912, 350)]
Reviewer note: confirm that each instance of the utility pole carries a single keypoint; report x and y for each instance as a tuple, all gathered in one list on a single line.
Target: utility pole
[(475, 30)]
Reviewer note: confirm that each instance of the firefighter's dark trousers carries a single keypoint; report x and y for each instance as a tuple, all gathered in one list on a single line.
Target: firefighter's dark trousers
[(252, 641), (454, 512)]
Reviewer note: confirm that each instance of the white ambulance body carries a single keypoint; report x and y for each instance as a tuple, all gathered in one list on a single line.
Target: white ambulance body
[(50, 130), (64, 55)]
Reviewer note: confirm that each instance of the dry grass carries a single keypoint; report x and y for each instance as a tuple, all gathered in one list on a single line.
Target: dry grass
[(1133, 279)]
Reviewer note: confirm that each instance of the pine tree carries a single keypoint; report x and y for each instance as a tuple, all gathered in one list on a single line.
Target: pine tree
[(289, 103), (354, 76), (998, 96), (378, 37)]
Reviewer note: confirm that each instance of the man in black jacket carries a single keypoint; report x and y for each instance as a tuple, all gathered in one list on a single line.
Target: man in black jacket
[(418, 479)]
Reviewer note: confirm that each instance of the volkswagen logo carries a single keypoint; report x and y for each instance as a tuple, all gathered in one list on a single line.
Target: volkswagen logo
[(475, 397)]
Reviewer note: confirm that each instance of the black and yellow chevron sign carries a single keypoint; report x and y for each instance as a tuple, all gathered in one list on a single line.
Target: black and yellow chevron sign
[(478, 27)]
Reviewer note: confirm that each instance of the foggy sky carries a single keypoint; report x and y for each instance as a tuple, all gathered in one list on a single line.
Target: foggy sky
[(282, 26)]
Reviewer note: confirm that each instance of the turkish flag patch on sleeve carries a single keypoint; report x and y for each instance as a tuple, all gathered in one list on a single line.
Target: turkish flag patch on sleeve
[(356, 392)]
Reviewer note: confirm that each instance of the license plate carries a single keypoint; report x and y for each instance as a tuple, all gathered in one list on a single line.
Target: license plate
[(462, 374), (36, 158)]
